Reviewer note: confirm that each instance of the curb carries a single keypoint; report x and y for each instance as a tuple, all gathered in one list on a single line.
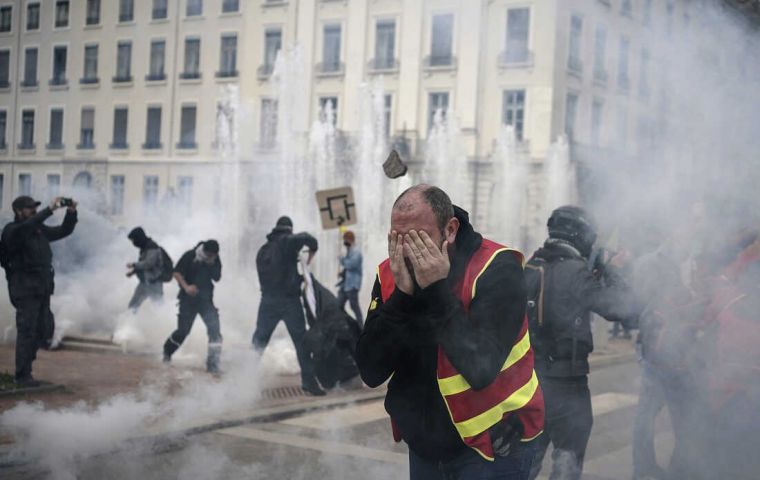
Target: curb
[(17, 392)]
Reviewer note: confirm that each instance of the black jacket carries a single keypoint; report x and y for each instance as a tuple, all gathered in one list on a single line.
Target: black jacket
[(401, 338), (571, 292), (200, 274), (290, 246), (29, 254)]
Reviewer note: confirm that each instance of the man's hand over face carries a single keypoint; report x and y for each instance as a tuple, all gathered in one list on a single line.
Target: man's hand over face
[(430, 262), (401, 275)]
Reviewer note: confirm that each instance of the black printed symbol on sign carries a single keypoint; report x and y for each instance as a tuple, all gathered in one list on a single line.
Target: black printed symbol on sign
[(338, 208)]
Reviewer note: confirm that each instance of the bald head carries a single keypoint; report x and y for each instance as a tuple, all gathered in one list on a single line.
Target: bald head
[(425, 208)]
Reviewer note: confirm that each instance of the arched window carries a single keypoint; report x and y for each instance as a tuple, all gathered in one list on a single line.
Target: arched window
[(83, 180)]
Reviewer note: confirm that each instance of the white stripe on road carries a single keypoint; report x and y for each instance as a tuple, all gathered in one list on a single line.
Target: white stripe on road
[(341, 417), (335, 448), (609, 402)]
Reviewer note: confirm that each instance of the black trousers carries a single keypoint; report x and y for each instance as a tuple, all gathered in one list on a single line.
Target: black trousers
[(188, 310), (290, 310), (567, 426), (35, 326)]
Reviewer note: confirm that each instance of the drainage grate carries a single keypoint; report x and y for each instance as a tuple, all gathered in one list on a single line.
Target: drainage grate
[(282, 392)]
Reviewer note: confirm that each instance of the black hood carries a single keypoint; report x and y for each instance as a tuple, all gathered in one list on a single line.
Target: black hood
[(555, 248), (466, 243), (279, 232)]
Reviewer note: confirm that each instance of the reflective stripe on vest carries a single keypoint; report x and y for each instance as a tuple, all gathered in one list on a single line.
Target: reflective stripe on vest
[(514, 391)]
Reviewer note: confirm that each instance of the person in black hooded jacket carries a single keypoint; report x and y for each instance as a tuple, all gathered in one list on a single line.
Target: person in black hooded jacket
[(563, 291), (148, 269), (277, 266)]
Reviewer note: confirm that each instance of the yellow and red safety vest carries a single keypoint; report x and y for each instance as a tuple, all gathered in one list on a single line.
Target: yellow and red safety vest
[(514, 391)]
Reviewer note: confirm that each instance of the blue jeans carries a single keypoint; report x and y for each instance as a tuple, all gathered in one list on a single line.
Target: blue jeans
[(471, 466), (352, 297)]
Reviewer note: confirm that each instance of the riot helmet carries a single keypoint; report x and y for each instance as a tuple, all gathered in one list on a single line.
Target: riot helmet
[(573, 225)]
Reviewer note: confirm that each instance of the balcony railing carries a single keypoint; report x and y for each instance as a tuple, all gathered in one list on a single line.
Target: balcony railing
[(122, 79), (119, 145), (26, 146), (575, 65), (227, 74), (185, 145), (159, 14), (515, 58), (440, 62), (5, 84), (54, 146), (155, 77), (265, 71), (190, 75), (383, 65), (89, 80), (600, 77), (126, 17), (152, 145), (330, 69), (58, 81)]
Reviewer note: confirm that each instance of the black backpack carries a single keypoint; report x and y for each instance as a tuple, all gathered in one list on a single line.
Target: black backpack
[(270, 265), (167, 266), (5, 259)]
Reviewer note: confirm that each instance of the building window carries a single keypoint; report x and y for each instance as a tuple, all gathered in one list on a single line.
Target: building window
[(6, 18), (5, 68), (385, 45), (123, 62), (194, 8), (56, 129), (623, 80), (600, 53), (513, 111), (126, 10), (33, 16), (87, 129), (117, 194), (150, 191), (3, 129), (230, 6), (157, 59), (328, 110), (185, 192), (30, 67), (192, 58), (61, 13), (27, 129), (25, 184), (160, 9), (90, 64), (53, 185), (387, 113), (120, 117), (187, 127), (228, 56), (272, 45), (441, 40), (59, 65), (647, 15), (153, 129), (670, 14), (331, 48), (518, 29), (571, 112), (625, 8), (597, 111), (438, 106), (268, 126), (644, 74), (2, 189), (622, 127), (93, 12), (574, 61)]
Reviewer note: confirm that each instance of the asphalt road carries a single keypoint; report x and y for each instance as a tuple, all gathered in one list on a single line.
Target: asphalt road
[(354, 442)]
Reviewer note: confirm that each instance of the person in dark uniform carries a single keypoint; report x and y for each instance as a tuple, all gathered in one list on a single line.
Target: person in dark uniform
[(148, 269), (28, 262), (196, 273), (563, 291), (277, 266)]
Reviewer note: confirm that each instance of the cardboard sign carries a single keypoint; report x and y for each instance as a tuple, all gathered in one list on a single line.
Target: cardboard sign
[(336, 207)]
